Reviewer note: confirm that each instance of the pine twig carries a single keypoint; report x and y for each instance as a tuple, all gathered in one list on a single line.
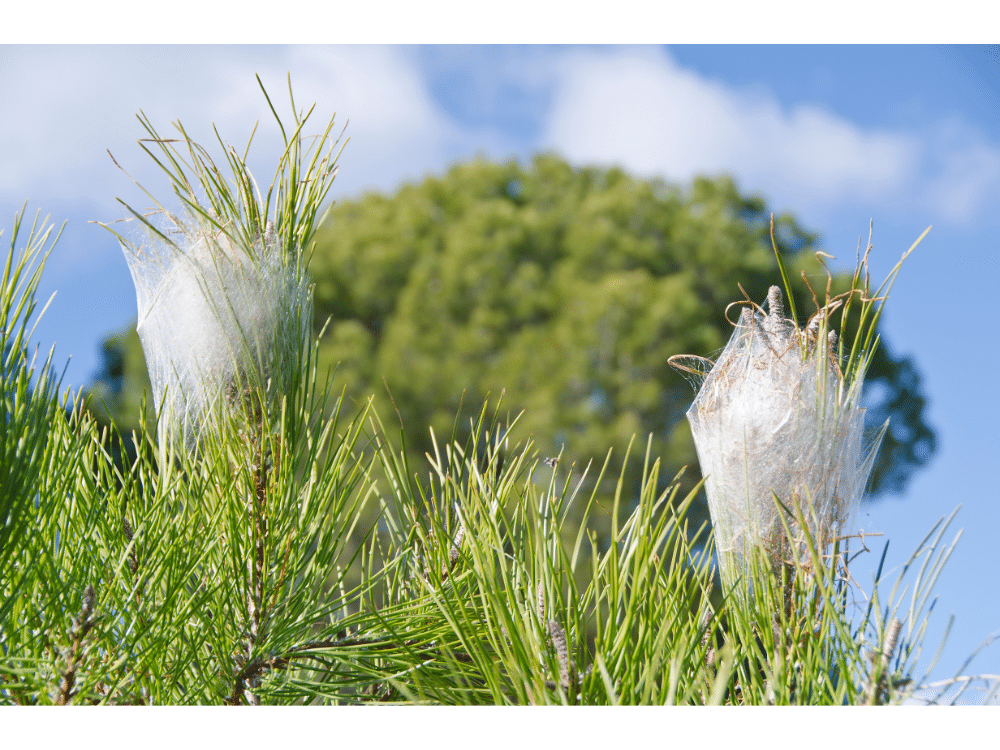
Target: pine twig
[(81, 626)]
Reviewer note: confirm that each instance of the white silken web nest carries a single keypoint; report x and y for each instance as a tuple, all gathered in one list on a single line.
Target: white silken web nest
[(218, 320), (778, 431)]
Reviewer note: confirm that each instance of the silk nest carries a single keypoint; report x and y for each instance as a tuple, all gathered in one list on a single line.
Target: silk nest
[(218, 320), (778, 431)]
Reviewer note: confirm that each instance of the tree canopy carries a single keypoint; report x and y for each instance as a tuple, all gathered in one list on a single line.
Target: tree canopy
[(564, 289)]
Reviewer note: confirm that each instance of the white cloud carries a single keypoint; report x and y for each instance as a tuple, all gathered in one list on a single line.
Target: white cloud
[(66, 106), (964, 172), (637, 108), (73, 103)]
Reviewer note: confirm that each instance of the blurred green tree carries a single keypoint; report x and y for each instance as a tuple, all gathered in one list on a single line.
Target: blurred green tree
[(121, 391), (567, 290)]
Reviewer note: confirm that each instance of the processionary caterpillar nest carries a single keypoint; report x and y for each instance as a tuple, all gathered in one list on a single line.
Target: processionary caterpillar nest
[(216, 320), (775, 419)]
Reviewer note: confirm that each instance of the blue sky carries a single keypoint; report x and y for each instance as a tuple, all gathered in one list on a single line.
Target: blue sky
[(905, 136)]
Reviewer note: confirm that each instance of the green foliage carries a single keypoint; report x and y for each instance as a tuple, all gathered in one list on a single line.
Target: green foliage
[(533, 608), (28, 403), (121, 393), (222, 574), (475, 591), (484, 560), (185, 570)]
